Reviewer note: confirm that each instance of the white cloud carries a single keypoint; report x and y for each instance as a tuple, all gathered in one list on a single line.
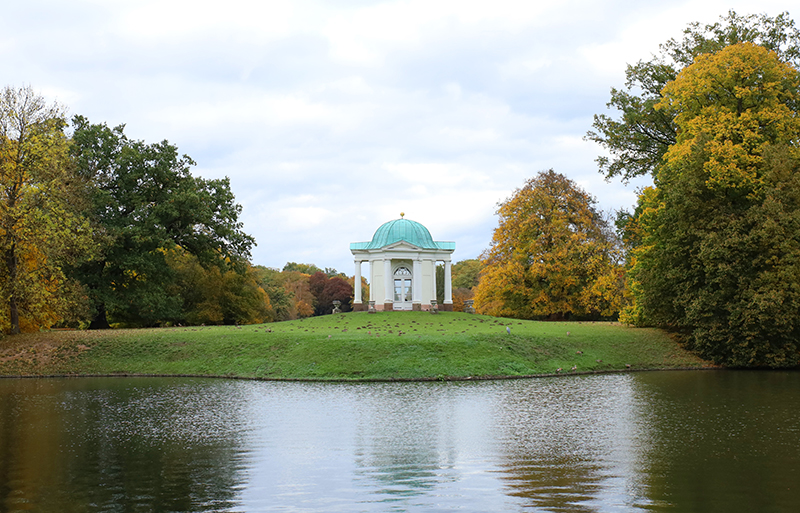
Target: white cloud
[(332, 117)]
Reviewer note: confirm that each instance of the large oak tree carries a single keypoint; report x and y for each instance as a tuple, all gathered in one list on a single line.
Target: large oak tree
[(144, 202)]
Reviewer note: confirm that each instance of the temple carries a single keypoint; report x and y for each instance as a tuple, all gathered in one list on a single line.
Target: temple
[(402, 258)]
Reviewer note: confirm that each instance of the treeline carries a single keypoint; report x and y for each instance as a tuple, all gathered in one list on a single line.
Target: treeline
[(712, 249), (97, 230)]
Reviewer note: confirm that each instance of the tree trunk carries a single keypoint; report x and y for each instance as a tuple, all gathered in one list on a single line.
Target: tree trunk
[(11, 265)]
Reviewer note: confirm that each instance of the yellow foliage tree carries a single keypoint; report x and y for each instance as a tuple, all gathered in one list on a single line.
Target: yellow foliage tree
[(39, 226), (218, 294), (552, 255), (735, 103)]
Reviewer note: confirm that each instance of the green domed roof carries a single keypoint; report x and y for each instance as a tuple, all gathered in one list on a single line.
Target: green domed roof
[(405, 230), (402, 230)]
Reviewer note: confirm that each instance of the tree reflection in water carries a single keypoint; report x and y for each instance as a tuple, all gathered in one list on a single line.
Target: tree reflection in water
[(571, 444), (685, 441), (117, 445)]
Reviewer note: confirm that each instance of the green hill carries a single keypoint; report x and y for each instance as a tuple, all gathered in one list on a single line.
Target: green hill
[(352, 346)]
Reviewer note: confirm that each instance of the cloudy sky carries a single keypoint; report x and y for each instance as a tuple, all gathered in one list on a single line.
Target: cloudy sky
[(332, 117)]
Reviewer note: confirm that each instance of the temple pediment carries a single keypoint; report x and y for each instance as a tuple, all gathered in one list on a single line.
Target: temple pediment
[(400, 246)]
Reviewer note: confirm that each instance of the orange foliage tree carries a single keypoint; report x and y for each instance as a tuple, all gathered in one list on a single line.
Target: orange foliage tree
[(552, 255)]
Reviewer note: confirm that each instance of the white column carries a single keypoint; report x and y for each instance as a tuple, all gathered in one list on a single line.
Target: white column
[(388, 281), (371, 281), (416, 283), (434, 280), (448, 285), (357, 284)]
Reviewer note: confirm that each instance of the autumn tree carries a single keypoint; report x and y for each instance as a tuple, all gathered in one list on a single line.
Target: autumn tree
[(217, 294), (336, 288), (144, 202), (552, 255), (639, 138), (281, 300), (296, 286), (40, 228), (328, 289), (719, 257)]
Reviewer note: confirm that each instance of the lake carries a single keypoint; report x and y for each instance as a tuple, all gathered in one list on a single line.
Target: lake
[(651, 441)]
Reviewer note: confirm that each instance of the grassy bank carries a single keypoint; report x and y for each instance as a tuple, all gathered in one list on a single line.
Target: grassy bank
[(401, 345)]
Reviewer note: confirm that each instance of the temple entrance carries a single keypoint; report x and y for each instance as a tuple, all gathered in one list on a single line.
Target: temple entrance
[(402, 289)]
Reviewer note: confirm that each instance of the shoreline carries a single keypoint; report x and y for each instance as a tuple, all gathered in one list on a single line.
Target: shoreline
[(381, 380)]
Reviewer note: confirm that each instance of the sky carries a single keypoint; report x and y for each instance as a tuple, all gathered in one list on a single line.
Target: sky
[(333, 117)]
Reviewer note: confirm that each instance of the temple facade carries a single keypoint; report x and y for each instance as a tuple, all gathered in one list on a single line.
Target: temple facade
[(402, 259)]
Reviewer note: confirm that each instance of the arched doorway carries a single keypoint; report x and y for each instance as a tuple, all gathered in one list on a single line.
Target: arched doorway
[(402, 288)]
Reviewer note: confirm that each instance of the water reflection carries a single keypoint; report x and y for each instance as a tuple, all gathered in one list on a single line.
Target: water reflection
[(686, 441), (572, 444), (117, 445), (724, 441)]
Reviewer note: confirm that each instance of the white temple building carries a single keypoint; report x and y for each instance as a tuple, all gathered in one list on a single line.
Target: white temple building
[(402, 258)]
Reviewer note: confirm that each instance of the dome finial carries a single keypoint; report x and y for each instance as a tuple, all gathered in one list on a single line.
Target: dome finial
[(402, 215)]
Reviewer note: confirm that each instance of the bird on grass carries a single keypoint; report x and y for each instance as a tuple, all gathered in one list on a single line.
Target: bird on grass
[(574, 368), (508, 330)]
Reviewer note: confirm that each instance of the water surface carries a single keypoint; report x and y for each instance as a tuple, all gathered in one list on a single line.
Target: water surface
[(676, 441)]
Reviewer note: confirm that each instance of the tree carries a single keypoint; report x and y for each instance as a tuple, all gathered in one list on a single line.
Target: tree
[(639, 138), (550, 255), (281, 300), (296, 285), (217, 294), (40, 228), (719, 257), (336, 288), (327, 289), (466, 273), (144, 202), (308, 269)]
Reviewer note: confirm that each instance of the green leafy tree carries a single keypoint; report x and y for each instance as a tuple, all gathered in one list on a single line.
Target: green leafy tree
[(281, 300), (466, 273), (40, 227), (719, 256), (308, 269), (552, 255), (638, 139), (144, 202)]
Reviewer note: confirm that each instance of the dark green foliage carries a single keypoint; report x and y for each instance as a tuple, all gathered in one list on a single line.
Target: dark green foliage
[(466, 273), (144, 202), (281, 300), (726, 270)]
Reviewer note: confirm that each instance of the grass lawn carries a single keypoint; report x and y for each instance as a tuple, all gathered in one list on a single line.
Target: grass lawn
[(351, 346)]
